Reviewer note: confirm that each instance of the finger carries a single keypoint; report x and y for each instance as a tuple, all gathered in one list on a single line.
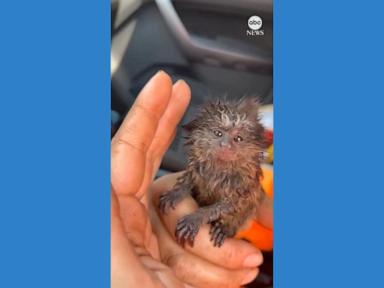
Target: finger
[(166, 130), (135, 219), (131, 142), (197, 272), (163, 272), (123, 255), (181, 95), (233, 254), (149, 107)]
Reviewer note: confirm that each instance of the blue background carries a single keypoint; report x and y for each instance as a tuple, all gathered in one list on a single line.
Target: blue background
[(54, 156), (328, 78)]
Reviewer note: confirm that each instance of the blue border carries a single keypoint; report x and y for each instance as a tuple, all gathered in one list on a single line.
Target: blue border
[(54, 155), (328, 78)]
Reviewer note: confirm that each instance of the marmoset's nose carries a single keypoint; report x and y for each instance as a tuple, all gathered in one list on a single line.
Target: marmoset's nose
[(225, 143)]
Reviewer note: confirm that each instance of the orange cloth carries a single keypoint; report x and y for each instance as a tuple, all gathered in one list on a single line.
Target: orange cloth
[(257, 234)]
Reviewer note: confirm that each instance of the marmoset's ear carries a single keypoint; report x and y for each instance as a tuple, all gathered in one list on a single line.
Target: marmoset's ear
[(190, 126), (250, 106)]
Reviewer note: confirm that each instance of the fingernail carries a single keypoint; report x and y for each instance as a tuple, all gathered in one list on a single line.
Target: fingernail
[(160, 72), (179, 82), (253, 260), (249, 277)]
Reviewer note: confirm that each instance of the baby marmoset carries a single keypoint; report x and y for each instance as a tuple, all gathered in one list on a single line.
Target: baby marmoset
[(225, 148)]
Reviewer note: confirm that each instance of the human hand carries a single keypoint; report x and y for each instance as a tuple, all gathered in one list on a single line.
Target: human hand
[(136, 152)]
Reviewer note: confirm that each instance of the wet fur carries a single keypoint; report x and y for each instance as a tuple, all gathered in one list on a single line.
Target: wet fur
[(228, 192)]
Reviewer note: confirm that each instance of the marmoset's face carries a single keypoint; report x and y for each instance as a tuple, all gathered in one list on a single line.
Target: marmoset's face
[(227, 142), (227, 134)]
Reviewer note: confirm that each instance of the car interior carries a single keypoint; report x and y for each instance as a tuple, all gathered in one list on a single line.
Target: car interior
[(204, 42)]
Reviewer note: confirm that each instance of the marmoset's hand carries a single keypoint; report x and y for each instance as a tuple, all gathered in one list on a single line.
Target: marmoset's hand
[(233, 264)]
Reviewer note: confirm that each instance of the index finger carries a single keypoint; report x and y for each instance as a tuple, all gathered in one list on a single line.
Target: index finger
[(131, 142)]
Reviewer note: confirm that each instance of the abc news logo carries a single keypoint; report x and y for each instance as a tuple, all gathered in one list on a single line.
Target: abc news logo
[(255, 23)]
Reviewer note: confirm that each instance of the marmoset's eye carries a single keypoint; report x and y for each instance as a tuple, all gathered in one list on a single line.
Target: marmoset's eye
[(218, 133), (238, 138)]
